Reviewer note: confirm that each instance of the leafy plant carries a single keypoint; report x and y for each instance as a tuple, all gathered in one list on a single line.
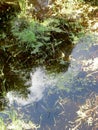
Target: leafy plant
[(34, 36), (2, 36), (87, 113)]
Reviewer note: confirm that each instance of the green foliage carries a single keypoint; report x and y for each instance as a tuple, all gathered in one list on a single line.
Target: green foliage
[(22, 4), (34, 36), (31, 35), (2, 36), (43, 39)]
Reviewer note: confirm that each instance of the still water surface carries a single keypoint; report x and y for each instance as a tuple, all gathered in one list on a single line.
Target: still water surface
[(52, 99)]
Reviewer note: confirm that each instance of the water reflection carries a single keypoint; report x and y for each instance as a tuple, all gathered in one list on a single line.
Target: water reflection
[(83, 67), (39, 82), (48, 102)]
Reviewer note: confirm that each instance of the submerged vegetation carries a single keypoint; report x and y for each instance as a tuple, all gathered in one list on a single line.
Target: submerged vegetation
[(88, 114)]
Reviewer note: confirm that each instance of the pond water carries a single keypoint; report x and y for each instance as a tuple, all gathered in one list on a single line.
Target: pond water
[(52, 99), (55, 100)]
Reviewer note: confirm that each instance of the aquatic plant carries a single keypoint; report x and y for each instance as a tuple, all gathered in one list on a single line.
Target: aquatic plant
[(87, 114)]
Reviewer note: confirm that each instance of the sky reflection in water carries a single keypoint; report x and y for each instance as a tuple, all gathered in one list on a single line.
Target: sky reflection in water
[(39, 82), (83, 65), (82, 73)]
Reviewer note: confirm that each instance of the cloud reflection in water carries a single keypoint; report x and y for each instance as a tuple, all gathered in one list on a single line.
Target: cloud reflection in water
[(39, 82)]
